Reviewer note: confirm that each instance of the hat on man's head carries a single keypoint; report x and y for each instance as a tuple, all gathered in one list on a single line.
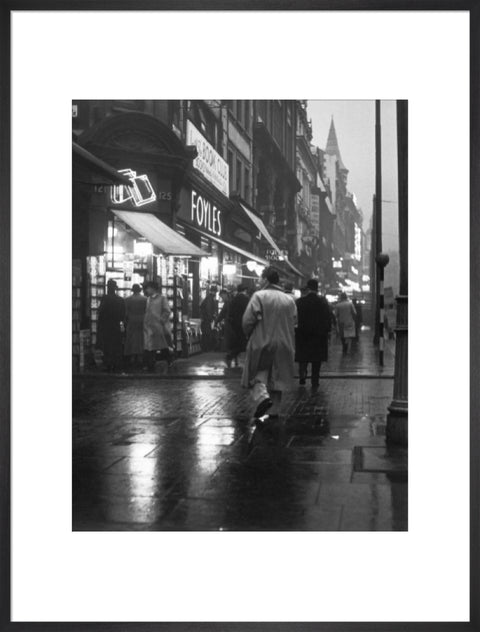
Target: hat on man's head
[(271, 275), (241, 288), (212, 288), (312, 284)]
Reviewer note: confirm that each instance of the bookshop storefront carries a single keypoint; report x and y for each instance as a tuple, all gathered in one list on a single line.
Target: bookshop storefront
[(208, 219), (122, 228)]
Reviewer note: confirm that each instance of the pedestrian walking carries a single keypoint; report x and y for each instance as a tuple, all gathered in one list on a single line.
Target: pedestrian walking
[(208, 313), (220, 325), (135, 306), (311, 336), (358, 318), (269, 324), (345, 314), (236, 341), (156, 327), (111, 320)]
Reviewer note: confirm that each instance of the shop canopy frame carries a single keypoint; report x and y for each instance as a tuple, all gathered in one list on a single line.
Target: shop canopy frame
[(167, 240), (264, 231), (98, 166), (225, 244)]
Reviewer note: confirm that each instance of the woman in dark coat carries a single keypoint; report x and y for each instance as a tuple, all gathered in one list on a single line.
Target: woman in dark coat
[(311, 337), (111, 317)]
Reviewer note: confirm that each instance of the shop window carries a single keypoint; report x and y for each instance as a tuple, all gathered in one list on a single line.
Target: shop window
[(238, 178), (240, 116), (246, 183), (230, 170)]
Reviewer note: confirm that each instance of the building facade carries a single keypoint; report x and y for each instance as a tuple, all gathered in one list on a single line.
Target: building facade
[(348, 238), (274, 179), (307, 201), (175, 202)]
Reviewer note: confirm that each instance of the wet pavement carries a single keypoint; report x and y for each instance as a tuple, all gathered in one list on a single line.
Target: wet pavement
[(184, 454), (361, 360)]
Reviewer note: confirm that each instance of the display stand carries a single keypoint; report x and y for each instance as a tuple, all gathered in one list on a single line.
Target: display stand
[(76, 314)]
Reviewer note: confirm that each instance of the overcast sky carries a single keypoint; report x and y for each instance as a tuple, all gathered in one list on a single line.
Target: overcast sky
[(355, 126)]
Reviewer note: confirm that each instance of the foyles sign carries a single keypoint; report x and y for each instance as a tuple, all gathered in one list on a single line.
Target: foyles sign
[(208, 162), (206, 215)]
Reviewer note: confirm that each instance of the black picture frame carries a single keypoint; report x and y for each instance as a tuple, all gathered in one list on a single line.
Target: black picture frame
[(6, 8)]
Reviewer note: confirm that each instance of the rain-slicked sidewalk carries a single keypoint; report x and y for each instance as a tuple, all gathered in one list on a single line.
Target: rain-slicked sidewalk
[(184, 454), (362, 359)]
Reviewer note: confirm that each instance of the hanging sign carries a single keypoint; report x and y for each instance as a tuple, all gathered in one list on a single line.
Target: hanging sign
[(212, 166), (139, 193)]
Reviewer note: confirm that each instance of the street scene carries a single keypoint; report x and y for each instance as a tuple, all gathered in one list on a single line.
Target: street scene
[(239, 316)]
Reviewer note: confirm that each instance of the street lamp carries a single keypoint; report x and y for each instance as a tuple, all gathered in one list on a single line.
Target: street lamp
[(382, 260)]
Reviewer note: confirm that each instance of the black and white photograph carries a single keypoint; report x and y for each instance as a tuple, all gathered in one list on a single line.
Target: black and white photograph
[(238, 325), (239, 315)]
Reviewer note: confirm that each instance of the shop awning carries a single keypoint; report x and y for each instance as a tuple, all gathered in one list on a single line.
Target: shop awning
[(264, 231), (261, 227), (245, 253), (168, 241), (98, 166), (295, 270)]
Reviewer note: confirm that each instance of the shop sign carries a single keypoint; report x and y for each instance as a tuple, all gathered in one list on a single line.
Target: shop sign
[(139, 193), (206, 215), (276, 255), (358, 242), (315, 213), (212, 166)]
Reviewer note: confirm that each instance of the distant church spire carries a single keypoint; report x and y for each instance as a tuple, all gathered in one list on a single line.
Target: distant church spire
[(332, 148)]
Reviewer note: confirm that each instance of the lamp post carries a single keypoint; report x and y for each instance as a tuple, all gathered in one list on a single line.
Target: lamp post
[(377, 211), (397, 418), (382, 260)]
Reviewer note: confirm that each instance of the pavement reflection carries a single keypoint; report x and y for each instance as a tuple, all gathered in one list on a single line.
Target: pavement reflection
[(185, 455)]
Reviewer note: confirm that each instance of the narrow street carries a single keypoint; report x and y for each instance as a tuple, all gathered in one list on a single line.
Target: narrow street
[(184, 454)]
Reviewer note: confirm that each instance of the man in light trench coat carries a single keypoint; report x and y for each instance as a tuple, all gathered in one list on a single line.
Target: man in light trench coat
[(269, 324), (156, 326)]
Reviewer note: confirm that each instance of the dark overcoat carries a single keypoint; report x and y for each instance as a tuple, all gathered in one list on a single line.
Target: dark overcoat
[(235, 336), (110, 314), (135, 306), (314, 323)]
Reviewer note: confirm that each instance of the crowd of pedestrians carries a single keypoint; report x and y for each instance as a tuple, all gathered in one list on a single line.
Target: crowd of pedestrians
[(276, 331), (273, 328), (281, 331), (134, 331)]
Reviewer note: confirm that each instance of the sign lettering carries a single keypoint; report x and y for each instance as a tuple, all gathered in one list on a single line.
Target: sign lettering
[(205, 214), (208, 161)]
